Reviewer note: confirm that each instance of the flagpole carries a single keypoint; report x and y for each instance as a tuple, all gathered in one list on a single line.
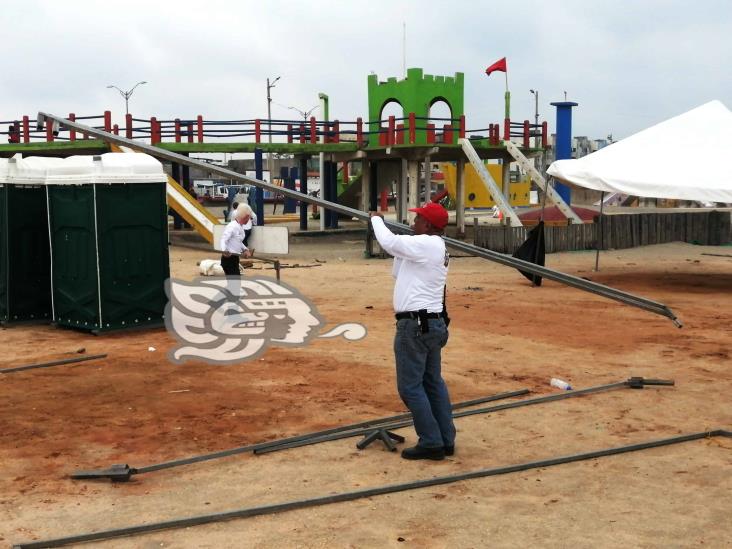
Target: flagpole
[(508, 98)]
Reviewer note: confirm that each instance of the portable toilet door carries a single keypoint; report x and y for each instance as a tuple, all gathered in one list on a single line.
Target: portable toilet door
[(109, 241), (25, 265)]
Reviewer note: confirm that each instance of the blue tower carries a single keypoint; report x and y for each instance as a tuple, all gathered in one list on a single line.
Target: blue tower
[(563, 145)]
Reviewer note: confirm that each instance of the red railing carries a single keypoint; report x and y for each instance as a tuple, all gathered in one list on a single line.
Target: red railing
[(392, 131)]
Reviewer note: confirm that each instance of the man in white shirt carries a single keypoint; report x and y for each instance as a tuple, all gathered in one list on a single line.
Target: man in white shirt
[(420, 270), (232, 241)]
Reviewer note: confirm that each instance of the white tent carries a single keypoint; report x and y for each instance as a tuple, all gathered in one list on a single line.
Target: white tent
[(685, 157)]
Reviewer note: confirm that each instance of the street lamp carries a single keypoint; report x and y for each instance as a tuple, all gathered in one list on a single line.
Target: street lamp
[(304, 114), (270, 85), (536, 116), (127, 94)]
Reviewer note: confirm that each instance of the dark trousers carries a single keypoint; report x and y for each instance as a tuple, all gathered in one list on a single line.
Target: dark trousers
[(230, 265), (420, 383)]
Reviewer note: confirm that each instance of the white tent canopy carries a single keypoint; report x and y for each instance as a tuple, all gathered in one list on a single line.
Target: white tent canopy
[(685, 157)]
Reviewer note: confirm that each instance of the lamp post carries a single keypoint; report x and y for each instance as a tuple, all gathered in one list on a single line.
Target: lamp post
[(127, 94), (304, 114), (536, 116), (324, 115), (270, 85)]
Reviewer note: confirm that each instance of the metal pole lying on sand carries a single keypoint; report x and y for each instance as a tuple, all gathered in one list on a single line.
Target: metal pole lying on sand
[(369, 492), (123, 472), (631, 383), (54, 363), (507, 260)]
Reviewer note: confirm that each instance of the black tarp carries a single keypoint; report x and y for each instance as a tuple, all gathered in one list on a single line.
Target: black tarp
[(533, 251)]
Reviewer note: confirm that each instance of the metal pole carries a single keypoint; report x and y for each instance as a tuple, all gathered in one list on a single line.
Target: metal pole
[(270, 85), (269, 132), (503, 259), (635, 383), (536, 118), (54, 363), (600, 238), (281, 442), (369, 492)]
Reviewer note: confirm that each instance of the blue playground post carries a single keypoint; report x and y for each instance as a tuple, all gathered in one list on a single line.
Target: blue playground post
[(374, 187), (564, 141), (331, 192), (259, 174), (325, 190), (304, 190), (175, 174), (290, 203)]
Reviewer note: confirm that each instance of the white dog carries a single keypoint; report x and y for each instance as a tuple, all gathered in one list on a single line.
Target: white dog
[(211, 267)]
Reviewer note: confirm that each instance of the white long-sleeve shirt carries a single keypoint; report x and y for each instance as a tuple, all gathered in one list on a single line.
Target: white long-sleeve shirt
[(420, 268), (232, 238)]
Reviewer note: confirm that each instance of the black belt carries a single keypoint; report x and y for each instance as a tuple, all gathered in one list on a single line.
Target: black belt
[(421, 316), (416, 315)]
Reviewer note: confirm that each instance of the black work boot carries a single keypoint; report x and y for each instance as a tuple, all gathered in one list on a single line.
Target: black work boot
[(450, 450), (418, 452)]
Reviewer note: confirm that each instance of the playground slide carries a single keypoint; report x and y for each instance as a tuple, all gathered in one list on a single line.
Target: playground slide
[(477, 194), (185, 205), (189, 209)]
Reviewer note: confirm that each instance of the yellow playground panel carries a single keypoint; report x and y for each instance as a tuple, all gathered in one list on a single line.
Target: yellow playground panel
[(476, 193)]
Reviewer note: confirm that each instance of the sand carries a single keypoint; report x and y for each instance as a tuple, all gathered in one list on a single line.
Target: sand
[(136, 407)]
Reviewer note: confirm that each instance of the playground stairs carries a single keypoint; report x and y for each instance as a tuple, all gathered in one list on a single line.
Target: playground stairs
[(488, 181), (552, 194)]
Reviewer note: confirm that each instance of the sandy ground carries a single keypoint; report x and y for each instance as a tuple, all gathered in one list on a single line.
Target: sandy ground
[(135, 407)]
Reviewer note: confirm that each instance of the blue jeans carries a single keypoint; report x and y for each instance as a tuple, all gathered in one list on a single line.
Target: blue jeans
[(420, 383)]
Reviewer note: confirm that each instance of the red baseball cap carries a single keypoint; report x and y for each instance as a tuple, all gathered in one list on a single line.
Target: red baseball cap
[(434, 213)]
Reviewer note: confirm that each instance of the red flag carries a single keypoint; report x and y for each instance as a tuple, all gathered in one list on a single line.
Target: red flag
[(499, 65)]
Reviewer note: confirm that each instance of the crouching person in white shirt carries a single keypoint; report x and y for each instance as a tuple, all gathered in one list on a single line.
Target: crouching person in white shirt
[(420, 270)]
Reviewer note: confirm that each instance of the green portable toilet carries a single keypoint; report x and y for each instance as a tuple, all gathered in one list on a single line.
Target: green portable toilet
[(108, 229), (25, 270)]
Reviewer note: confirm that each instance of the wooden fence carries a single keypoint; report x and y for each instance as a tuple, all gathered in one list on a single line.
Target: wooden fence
[(618, 231)]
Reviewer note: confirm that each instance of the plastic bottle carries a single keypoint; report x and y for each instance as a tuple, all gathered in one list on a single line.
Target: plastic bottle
[(560, 384)]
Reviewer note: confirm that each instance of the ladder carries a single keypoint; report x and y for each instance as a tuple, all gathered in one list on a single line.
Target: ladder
[(550, 191), (489, 182)]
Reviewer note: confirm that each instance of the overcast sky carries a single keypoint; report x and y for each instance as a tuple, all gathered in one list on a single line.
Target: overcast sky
[(629, 64)]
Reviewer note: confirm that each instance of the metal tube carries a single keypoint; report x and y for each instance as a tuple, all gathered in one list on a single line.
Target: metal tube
[(317, 434), (54, 363), (600, 237), (507, 260), (369, 492), (633, 382)]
